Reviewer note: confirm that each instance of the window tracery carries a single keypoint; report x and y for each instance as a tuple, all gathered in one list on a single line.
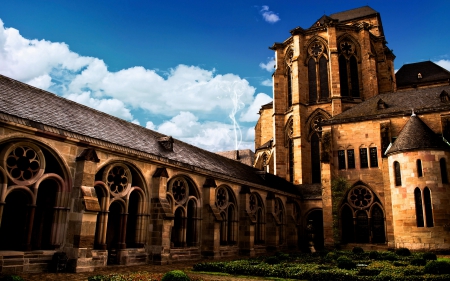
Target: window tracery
[(348, 69), (24, 163), (317, 63), (118, 179)]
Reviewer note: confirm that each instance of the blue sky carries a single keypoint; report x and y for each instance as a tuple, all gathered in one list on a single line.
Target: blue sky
[(185, 67)]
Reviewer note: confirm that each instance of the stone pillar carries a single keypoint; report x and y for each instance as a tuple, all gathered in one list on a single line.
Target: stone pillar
[(211, 221), (271, 224), (161, 219), (83, 215), (246, 224)]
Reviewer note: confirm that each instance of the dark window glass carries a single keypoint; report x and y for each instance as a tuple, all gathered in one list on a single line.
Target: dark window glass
[(419, 210), (419, 168), (351, 158), (428, 207), (446, 128), (323, 73), (289, 86), (354, 76), (341, 159), (398, 176), (312, 79), (384, 140), (315, 159), (373, 157), (291, 161), (363, 157), (444, 175), (343, 76)]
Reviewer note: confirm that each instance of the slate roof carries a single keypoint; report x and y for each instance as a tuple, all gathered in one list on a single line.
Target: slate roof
[(267, 144), (62, 118), (245, 156), (407, 75), (416, 135), (354, 13), (422, 100)]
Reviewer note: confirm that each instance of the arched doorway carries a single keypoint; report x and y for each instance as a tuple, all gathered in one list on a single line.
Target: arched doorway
[(316, 219), (13, 231)]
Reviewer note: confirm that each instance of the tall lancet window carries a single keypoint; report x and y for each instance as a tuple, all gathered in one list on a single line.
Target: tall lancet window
[(289, 144), (318, 72), (348, 69), (289, 57)]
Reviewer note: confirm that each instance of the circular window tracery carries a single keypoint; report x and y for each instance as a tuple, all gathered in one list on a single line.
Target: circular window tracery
[(24, 163), (179, 189), (360, 197), (118, 179), (316, 49), (253, 203), (222, 198)]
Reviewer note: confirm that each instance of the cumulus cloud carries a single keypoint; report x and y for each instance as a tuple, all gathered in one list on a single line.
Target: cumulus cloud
[(187, 102), (269, 66), (251, 115), (267, 82), (444, 63), (268, 15)]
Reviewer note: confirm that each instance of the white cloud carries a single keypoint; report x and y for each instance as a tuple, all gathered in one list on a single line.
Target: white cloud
[(268, 15), (111, 106), (184, 96), (267, 82), (444, 63), (269, 66), (251, 115), (213, 136)]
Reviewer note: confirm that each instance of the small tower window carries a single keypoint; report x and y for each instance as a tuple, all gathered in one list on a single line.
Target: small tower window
[(373, 157), (341, 159), (363, 158), (351, 158), (419, 75), (398, 176), (443, 166), (419, 168), (428, 207)]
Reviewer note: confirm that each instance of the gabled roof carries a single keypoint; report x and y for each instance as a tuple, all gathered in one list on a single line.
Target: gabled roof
[(245, 156), (416, 135), (354, 14), (421, 100), (49, 114), (408, 74)]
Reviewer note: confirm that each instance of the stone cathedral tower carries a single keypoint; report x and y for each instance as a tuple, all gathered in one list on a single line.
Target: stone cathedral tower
[(321, 71)]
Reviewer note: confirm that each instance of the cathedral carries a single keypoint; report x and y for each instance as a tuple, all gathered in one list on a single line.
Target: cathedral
[(348, 153), (374, 141)]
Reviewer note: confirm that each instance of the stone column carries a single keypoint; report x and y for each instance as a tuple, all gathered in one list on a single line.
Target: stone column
[(160, 220), (246, 224), (211, 221), (83, 215)]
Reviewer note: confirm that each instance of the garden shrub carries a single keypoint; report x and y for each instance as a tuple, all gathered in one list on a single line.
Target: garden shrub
[(399, 263), (357, 250), (211, 266), (175, 275), (437, 267), (405, 252), (272, 260), (369, 271), (374, 255), (388, 256), (418, 262), (412, 272), (345, 263), (11, 278), (282, 256), (429, 256), (331, 256)]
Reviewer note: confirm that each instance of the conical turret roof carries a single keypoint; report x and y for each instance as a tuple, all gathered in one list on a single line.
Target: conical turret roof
[(416, 135)]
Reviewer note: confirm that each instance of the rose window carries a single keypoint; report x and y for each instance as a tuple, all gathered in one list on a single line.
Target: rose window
[(316, 49), (24, 163), (347, 48), (222, 198), (360, 197), (118, 179), (316, 126), (180, 191)]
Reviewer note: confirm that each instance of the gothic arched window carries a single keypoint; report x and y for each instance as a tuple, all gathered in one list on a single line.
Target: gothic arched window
[(318, 73), (397, 173), (419, 208), (348, 69), (443, 166), (419, 168), (428, 207)]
